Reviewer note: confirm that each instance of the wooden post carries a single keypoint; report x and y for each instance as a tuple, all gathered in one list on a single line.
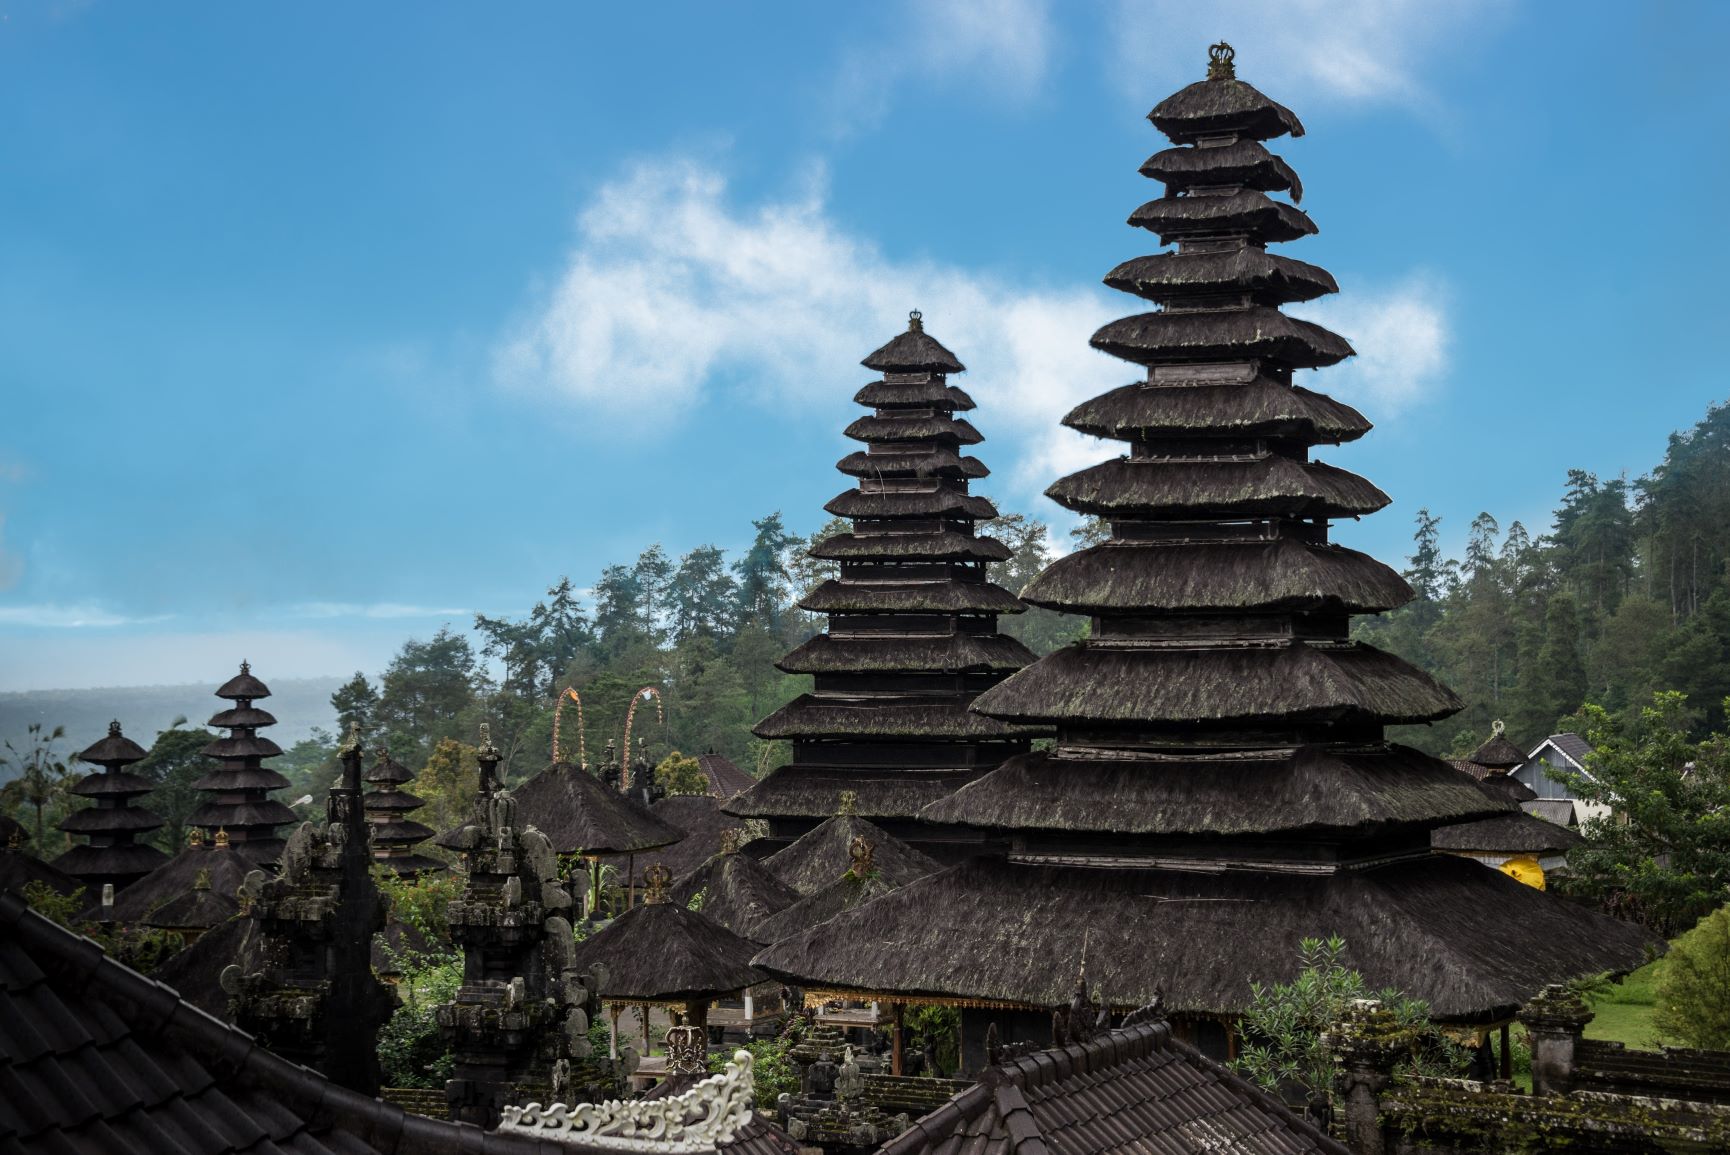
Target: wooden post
[(895, 1039), (613, 1032), (1507, 1055)]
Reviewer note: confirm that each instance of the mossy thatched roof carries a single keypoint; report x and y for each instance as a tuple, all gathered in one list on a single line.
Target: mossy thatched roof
[(1499, 753), (114, 749), (1258, 331), (926, 392), (1507, 834), (908, 503), (737, 891), (842, 894), (798, 791), (1120, 577), (19, 868), (1219, 107), (1242, 162), (227, 867), (1250, 211), (579, 812), (944, 545), (885, 719), (700, 819), (827, 654), (914, 351), (1271, 486), (662, 952), (895, 427), (823, 855), (1310, 792), (1093, 682), (934, 596), (1256, 408), (1269, 277), (1471, 942), (914, 461)]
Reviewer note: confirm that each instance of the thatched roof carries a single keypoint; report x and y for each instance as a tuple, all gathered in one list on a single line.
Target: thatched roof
[(945, 545), (386, 770), (1472, 942), (112, 784), (1499, 753), (1258, 331), (10, 829), (725, 779), (111, 820), (797, 791), (822, 855), (1259, 407), (914, 427), (242, 746), (1310, 792), (914, 351), (115, 749), (19, 868), (812, 716), (1270, 278), (1242, 162), (934, 596), (1260, 216), (842, 894), (913, 461), (195, 973), (893, 503), (1506, 788), (1091, 682), (921, 392), (243, 687), (660, 952), (241, 717), (227, 867), (1135, 1089), (197, 909), (580, 813), (1284, 574), (1268, 486), (1219, 107), (1516, 833), (119, 864), (828, 654), (738, 892)]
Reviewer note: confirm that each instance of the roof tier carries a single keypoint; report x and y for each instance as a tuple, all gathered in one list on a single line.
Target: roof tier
[(942, 545), (1507, 834), (1240, 403), (1243, 162), (113, 751), (1245, 212), (121, 864), (914, 391), (914, 351), (1258, 331), (1222, 106), (906, 653), (913, 461), (897, 428), (1268, 278), (804, 791), (1471, 942), (886, 718), (243, 687), (922, 504), (661, 952), (929, 596), (1268, 485)]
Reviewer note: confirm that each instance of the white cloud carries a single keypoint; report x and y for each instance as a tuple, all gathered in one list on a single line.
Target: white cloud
[(387, 611), (1401, 335), (1357, 51), (55, 617)]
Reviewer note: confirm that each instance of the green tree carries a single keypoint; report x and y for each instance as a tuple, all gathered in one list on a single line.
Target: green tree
[(173, 766), (701, 595), (762, 573), (1039, 629), (1556, 683), (1693, 1003), (1663, 854), (447, 783), (681, 774), (44, 778), (425, 690), (356, 706)]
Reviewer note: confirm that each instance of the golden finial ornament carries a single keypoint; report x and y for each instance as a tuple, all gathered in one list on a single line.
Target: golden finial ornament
[(915, 322), (1220, 64), (849, 802), (221, 839), (195, 838), (732, 838), (657, 877)]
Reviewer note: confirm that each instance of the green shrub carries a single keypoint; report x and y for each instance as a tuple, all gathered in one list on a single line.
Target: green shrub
[(1693, 1004), (410, 1051)]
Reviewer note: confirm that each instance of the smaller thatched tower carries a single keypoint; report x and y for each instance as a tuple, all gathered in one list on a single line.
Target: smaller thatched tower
[(388, 806), (239, 788), (111, 823)]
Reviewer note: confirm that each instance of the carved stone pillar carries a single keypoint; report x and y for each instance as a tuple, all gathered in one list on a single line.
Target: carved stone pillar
[(1555, 1020), (1366, 1045)]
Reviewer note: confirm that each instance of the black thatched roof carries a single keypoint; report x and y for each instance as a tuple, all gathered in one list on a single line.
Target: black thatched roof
[(579, 812), (1499, 753), (195, 972), (914, 351), (1258, 331), (1249, 211), (811, 716), (700, 819), (914, 461), (913, 427), (1271, 279), (1089, 681), (945, 545), (19, 869), (241, 716), (1310, 791), (386, 770), (1506, 788), (1242, 162), (243, 687), (11, 830), (827, 654), (737, 891), (99, 820), (1516, 833), (725, 779), (1219, 107), (197, 909), (1258, 407), (798, 791), (922, 392), (822, 855), (1472, 942), (1283, 574), (935, 596), (1270, 486), (660, 952), (904, 503), (119, 864), (842, 894), (1135, 1089), (227, 867), (115, 749), (244, 746)]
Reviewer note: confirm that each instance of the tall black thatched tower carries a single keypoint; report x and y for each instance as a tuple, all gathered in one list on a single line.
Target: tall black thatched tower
[(912, 634), (1220, 786)]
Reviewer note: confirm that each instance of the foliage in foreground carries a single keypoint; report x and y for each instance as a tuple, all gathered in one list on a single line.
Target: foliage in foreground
[(1693, 1004), (1285, 1047), (410, 1051)]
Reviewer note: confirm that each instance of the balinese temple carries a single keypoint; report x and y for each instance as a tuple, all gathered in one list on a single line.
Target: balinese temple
[(1521, 845), (239, 788), (825, 853), (113, 856), (1221, 785), (394, 834), (912, 634), (214, 866)]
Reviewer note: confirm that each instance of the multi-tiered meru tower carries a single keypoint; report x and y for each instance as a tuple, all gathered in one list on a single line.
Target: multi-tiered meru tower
[(238, 790), (912, 634), (1220, 786)]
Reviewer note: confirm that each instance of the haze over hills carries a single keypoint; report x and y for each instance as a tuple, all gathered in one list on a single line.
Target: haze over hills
[(298, 703)]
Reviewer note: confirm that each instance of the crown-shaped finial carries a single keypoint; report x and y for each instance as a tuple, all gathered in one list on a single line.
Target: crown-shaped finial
[(849, 802), (245, 666), (114, 728), (195, 838), (1496, 728), (915, 322), (1220, 64), (221, 838)]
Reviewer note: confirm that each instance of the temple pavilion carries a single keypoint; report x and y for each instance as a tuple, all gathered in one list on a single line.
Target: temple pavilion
[(912, 622), (1220, 786)]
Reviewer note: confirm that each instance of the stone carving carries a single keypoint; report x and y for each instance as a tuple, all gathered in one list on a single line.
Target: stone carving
[(849, 1082), (687, 1050), (708, 1115)]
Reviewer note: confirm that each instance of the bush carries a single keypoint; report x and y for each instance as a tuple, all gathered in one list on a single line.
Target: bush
[(1693, 1005), (410, 1051)]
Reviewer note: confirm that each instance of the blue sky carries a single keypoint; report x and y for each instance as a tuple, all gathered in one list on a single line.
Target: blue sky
[(326, 324)]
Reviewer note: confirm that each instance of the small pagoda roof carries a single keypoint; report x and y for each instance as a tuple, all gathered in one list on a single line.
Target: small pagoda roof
[(1287, 574), (813, 716), (1471, 942), (112, 784), (914, 351), (923, 393), (823, 854), (1269, 278), (225, 866), (826, 654), (906, 503), (1256, 407), (1269, 486), (798, 791), (241, 778), (1222, 106), (934, 596), (725, 779), (1506, 788), (197, 909), (1136, 1088), (235, 815), (738, 892), (1498, 753), (242, 746), (700, 819), (1242, 162), (401, 831), (1093, 682), (1307, 791), (115, 749), (111, 820), (118, 864), (580, 813), (11, 828), (1516, 833), (913, 428), (19, 868), (913, 461), (660, 952), (944, 545), (242, 717), (1259, 331), (243, 686), (390, 802), (386, 770), (1248, 211)]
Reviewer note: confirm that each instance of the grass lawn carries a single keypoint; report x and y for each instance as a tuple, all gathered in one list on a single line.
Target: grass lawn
[(1623, 1014)]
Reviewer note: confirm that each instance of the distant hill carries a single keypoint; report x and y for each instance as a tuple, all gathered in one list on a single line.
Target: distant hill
[(298, 703)]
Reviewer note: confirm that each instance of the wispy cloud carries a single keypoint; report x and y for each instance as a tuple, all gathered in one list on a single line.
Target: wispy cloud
[(999, 47), (379, 611), (1356, 51), (1401, 334), (71, 617)]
